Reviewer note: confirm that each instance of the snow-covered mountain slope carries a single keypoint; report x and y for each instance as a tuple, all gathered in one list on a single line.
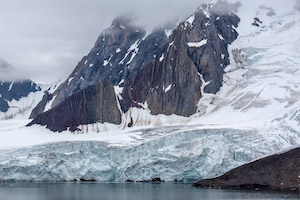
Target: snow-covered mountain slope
[(261, 86), (255, 113), (18, 94), (21, 108)]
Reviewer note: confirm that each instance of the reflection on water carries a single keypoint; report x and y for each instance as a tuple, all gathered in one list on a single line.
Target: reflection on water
[(125, 191)]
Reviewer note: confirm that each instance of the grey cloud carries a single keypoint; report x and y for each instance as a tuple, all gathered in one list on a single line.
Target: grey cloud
[(297, 5), (8, 73)]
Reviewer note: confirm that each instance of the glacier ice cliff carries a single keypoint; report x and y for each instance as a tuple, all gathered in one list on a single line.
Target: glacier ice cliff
[(175, 153)]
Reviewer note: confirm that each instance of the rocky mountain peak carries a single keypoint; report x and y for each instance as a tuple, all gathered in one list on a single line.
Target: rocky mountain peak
[(119, 51), (208, 32), (191, 63), (122, 21), (165, 72), (122, 28)]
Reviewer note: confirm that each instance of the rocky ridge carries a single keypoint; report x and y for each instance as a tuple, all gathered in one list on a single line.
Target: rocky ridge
[(165, 75), (192, 62), (96, 103), (279, 171)]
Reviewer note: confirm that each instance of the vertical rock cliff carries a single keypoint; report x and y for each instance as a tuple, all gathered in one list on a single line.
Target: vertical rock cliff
[(96, 103)]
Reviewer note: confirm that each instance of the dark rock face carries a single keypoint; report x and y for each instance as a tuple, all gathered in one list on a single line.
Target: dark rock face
[(219, 30), (171, 84), (15, 90), (3, 105), (280, 171), (168, 86), (257, 22), (119, 50), (96, 103)]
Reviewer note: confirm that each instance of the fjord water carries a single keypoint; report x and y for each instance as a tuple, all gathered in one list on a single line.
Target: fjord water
[(127, 191)]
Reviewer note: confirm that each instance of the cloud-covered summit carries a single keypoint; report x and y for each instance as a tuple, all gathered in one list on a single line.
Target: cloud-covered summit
[(9, 73)]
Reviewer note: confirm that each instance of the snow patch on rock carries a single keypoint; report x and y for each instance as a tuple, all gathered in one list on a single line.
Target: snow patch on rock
[(197, 44)]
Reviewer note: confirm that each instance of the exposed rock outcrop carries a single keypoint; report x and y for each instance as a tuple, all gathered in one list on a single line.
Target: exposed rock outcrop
[(195, 54), (96, 103), (279, 171), (119, 51)]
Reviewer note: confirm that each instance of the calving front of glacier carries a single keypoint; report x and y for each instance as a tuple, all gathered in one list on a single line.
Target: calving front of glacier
[(175, 153)]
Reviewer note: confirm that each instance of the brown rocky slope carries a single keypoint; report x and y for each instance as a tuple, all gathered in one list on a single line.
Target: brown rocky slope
[(279, 171)]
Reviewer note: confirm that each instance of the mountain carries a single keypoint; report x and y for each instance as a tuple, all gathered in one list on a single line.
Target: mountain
[(279, 171), (96, 103), (191, 63), (144, 128), (119, 51), (168, 77), (13, 88)]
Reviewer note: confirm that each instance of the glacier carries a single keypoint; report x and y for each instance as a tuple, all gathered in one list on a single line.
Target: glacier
[(175, 153)]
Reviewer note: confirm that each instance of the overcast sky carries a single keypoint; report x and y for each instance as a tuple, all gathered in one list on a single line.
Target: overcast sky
[(47, 38)]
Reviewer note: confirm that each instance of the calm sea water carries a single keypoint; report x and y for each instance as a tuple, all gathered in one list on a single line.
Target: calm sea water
[(126, 191)]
